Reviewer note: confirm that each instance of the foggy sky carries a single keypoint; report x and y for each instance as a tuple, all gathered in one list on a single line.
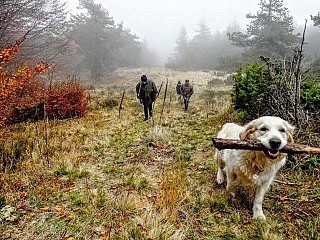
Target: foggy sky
[(159, 22)]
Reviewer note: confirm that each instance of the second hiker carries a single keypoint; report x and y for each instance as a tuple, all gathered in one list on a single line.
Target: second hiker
[(187, 91)]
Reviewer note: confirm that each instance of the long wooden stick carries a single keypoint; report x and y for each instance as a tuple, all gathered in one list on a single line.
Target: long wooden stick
[(120, 106), (164, 98), (291, 148)]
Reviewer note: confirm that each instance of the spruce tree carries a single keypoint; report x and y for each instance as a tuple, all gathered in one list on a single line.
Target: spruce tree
[(269, 34)]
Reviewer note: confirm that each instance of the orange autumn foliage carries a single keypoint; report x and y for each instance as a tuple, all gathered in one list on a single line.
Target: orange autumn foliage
[(13, 81), (66, 100), (24, 98)]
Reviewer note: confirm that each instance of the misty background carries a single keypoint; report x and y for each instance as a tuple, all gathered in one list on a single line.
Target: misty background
[(92, 38), (158, 22)]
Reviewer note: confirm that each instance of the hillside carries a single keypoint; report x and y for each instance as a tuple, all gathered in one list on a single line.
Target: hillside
[(115, 176)]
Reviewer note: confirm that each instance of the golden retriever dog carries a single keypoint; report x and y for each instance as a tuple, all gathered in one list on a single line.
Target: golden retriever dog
[(250, 169)]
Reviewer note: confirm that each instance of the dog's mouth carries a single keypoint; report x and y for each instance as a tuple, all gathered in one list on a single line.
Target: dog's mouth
[(272, 154)]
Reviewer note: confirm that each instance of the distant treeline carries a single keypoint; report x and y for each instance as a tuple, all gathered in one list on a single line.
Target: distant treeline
[(91, 42), (271, 33)]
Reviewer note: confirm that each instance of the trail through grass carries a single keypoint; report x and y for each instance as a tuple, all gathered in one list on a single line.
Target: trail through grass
[(119, 177)]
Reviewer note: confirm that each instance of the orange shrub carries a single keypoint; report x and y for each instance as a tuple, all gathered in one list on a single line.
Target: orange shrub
[(26, 104), (22, 98), (14, 81), (66, 100)]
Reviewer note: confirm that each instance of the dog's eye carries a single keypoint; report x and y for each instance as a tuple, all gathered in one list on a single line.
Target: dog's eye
[(263, 129), (282, 130)]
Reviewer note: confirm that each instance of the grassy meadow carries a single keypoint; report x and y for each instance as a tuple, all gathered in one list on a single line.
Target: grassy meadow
[(111, 175)]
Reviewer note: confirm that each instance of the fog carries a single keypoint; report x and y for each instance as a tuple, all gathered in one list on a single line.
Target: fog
[(159, 22)]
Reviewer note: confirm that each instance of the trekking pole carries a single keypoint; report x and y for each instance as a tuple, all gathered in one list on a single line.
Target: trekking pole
[(120, 106)]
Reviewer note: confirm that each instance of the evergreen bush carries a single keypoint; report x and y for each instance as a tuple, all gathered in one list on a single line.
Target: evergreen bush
[(252, 84)]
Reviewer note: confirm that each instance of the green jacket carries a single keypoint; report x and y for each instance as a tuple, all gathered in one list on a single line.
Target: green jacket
[(147, 92)]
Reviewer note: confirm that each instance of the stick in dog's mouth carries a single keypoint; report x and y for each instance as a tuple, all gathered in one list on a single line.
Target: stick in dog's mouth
[(291, 148)]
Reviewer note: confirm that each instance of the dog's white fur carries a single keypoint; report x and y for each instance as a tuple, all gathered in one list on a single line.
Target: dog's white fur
[(253, 169)]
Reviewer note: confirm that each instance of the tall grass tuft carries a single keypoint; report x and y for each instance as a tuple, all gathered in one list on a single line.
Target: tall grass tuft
[(14, 150)]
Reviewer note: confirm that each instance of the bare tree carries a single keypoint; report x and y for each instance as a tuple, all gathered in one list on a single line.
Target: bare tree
[(41, 22), (284, 98)]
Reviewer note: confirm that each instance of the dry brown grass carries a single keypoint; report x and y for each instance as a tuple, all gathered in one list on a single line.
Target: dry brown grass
[(111, 177)]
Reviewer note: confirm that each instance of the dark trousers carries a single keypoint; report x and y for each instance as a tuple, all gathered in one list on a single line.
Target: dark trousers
[(147, 109), (186, 103)]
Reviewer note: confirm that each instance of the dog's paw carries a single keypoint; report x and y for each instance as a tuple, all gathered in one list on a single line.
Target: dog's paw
[(259, 216), (220, 179)]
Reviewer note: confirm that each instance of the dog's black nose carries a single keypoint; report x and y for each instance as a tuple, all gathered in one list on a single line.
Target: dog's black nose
[(275, 143)]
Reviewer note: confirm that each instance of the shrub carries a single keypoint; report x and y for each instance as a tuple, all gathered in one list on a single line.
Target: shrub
[(66, 100), (13, 81), (251, 88), (215, 82), (109, 103), (310, 95), (26, 104), (60, 101)]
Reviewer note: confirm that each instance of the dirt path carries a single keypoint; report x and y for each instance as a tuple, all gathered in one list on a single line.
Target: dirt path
[(114, 177), (116, 173)]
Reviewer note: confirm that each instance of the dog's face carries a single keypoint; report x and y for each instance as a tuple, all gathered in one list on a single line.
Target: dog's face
[(273, 132)]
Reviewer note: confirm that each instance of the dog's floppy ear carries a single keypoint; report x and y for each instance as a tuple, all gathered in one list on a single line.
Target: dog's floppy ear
[(246, 133), (290, 132)]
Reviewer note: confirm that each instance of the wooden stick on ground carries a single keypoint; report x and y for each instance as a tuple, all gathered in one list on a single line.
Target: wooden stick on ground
[(287, 183), (291, 148)]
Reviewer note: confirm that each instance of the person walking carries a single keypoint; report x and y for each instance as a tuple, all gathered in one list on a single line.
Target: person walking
[(146, 92), (187, 91), (179, 92)]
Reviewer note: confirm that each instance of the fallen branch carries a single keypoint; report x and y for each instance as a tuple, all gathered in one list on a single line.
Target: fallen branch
[(291, 148), (287, 183)]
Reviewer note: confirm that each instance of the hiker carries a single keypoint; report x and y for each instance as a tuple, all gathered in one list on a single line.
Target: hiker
[(147, 93), (187, 91), (179, 92)]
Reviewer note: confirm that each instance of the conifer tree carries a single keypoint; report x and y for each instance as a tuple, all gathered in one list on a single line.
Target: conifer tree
[(316, 20), (269, 34)]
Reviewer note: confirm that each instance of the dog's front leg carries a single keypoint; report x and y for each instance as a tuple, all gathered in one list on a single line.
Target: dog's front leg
[(258, 199), (231, 177)]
